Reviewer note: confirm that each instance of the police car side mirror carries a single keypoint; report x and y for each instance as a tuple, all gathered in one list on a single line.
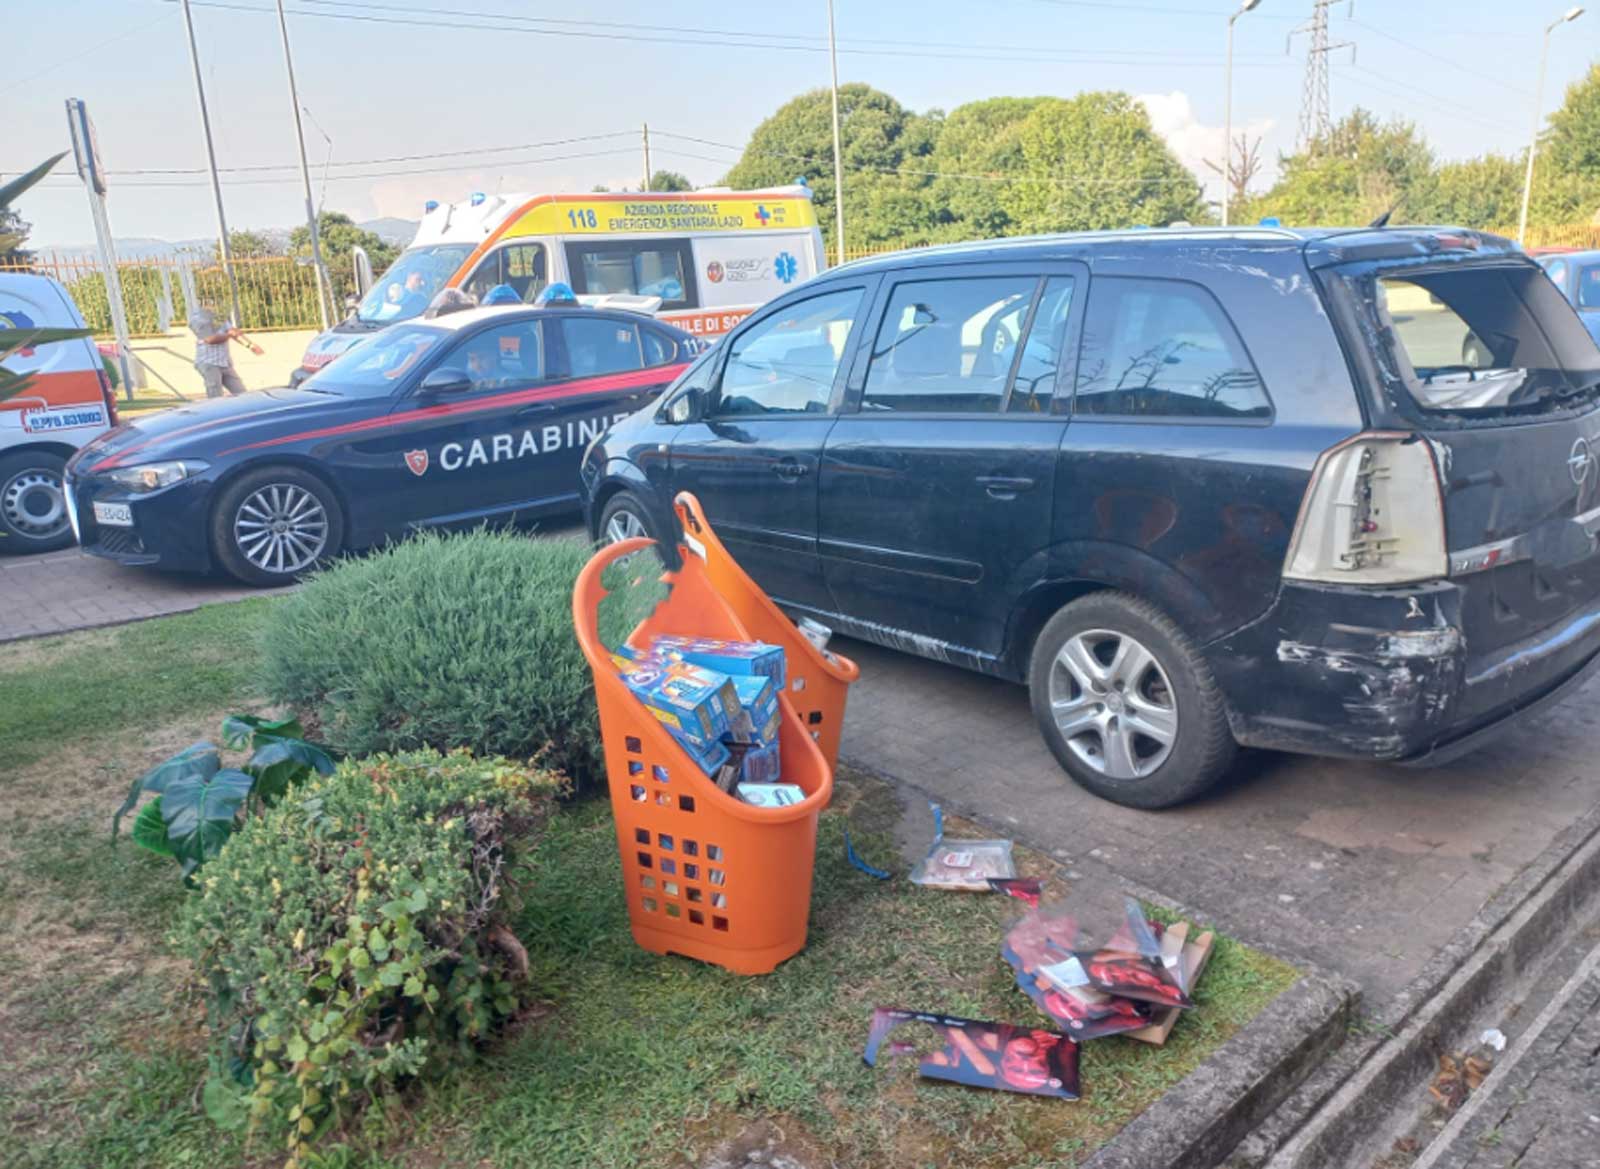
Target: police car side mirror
[(445, 381)]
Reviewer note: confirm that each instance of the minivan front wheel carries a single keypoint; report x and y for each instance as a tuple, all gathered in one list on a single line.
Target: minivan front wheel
[(1126, 704), (623, 518)]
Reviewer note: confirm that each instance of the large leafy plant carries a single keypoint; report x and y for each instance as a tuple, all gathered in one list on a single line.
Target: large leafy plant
[(200, 803), (13, 340)]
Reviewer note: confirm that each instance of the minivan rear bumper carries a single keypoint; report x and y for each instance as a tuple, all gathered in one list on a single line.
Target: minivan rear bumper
[(1390, 674)]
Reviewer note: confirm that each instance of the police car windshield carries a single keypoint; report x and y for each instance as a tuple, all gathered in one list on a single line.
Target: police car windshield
[(406, 288), (376, 367)]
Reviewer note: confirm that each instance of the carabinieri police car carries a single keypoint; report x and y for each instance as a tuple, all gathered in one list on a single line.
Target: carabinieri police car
[(481, 415)]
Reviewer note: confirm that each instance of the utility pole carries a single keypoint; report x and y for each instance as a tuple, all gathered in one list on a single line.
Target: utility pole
[(1315, 114), (1566, 17), (324, 285), (1227, 117), (838, 157), (211, 162), (645, 186)]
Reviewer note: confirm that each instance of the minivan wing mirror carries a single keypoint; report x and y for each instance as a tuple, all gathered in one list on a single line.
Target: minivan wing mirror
[(445, 381), (688, 406)]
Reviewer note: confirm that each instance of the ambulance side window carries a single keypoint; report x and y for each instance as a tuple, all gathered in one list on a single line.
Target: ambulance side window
[(522, 266), (656, 267)]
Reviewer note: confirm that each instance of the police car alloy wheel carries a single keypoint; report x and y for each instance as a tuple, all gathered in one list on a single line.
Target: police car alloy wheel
[(273, 525), (33, 503)]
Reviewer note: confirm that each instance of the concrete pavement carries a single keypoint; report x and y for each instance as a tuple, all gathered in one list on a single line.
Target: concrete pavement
[(1365, 869)]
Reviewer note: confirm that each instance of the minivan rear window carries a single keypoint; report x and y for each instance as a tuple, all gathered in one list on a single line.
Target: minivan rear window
[(1480, 340)]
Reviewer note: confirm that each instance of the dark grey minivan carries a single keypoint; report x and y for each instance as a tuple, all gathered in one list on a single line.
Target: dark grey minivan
[(1330, 491)]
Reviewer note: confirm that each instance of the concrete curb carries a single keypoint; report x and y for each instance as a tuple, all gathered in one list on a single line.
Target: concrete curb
[(1343, 1107), (1203, 1117)]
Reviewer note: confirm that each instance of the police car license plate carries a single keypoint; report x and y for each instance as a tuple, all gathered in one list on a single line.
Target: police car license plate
[(114, 515)]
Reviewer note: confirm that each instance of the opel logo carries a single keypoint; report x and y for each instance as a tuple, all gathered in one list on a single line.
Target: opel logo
[(1578, 461)]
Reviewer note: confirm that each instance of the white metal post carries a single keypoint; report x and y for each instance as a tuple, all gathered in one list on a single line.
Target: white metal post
[(211, 162), (324, 285), (646, 184), (1227, 116), (1570, 14), (838, 157)]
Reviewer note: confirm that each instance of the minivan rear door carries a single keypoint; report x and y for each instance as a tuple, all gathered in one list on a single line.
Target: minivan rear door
[(1487, 360), (937, 482)]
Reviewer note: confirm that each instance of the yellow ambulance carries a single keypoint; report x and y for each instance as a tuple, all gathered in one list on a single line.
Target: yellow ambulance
[(701, 260)]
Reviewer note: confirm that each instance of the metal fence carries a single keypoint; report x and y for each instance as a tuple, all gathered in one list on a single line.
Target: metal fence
[(275, 292)]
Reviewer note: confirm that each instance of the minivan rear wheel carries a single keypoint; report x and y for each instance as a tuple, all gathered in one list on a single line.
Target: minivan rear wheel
[(1126, 703)]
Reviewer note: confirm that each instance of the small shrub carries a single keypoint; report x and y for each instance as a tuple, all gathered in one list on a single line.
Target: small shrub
[(442, 641), (354, 935)]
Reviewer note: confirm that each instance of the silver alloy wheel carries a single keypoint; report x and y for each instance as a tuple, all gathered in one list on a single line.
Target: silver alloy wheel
[(624, 525), (35, 504), (1113, 704), (281, 528)]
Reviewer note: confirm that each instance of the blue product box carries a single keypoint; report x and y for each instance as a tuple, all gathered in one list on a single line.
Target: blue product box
[(757, 718), (770, 795), (710, 758), (728, 657), (695, 703), (760, 765)]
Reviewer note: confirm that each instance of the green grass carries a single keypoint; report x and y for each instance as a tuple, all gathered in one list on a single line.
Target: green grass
[(624, 1059), (62, 689)]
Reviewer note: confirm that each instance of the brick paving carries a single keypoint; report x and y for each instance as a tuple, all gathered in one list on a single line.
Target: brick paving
[(61, 591), (1366, 869)]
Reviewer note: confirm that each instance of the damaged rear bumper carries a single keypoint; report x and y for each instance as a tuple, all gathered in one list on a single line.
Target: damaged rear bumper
[(1390, 674)]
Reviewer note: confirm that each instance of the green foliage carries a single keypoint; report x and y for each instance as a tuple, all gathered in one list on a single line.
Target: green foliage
[(1573, 146), (200, 804), (981, 138), (880, 138), (353, 936), (12, 230), (1095, 162), (338, 235), (247, 245), (670, 180), (442, 641), (1361, 169), (1479, 192)]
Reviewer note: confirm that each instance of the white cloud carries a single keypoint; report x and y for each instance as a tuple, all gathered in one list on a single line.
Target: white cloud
[(1172, 115)]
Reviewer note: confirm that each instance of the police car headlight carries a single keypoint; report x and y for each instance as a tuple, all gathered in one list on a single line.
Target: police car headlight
[(154, 476)]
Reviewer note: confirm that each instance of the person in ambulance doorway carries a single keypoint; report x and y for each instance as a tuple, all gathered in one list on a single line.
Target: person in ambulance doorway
[(478, 416)]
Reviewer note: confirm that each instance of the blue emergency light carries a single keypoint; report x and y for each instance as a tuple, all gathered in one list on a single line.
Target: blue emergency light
[(1271, 221), (556, 294), (430, 206), (477, 198)]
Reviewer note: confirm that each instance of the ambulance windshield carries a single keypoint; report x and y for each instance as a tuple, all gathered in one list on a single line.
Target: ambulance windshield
[(406, 288)]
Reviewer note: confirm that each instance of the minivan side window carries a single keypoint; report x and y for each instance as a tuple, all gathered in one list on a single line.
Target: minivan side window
[(946, 346), (597, 345), (1163, 349), (655, 267), (522, 266), (786, 363), (1035, 385)]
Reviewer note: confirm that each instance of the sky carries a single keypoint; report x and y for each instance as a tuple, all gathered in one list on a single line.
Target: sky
[(526, 95)]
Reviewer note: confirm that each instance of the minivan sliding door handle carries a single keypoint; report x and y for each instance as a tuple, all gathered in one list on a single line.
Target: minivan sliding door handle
[(789, 470), (1004, 486)]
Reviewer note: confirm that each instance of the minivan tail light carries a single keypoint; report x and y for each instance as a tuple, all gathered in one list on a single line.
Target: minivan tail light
[(107, 394), (1373, 515)]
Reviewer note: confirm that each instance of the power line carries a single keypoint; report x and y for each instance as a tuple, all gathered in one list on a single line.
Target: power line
[(1453, 62), (94, 48), (1406, 92), (461, 19)]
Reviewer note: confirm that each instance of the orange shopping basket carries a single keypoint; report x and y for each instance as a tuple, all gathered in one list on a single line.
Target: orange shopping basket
[(707, 875)]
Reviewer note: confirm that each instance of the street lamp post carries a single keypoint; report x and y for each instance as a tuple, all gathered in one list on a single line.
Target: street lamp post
[(324, 287), (223, 242), (1566, 17), (838, 158), (1227, 117)]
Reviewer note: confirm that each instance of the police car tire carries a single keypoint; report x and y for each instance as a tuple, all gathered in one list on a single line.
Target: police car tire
[(35, 463), (1202, 748), (225, 547), (624, 502)]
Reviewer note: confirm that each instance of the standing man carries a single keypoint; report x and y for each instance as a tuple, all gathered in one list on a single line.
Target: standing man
[(211, 355)]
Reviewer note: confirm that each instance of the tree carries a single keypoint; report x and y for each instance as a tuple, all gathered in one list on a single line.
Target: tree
[(340, 236), (1359, 170), (1479, 192), (248, 245), (979, 145), (1093, 162), (670, 180), (1574, 137), (885, 149), (1244, 163)]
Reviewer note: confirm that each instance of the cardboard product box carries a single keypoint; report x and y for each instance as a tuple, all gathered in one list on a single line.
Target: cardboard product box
[(770, 795), (709, 757), (760, 764), (757, 719), (728, 657), (696, 703)]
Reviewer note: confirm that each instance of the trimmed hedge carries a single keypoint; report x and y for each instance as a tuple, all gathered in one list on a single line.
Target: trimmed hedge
[(445, 642), (354, 936)]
